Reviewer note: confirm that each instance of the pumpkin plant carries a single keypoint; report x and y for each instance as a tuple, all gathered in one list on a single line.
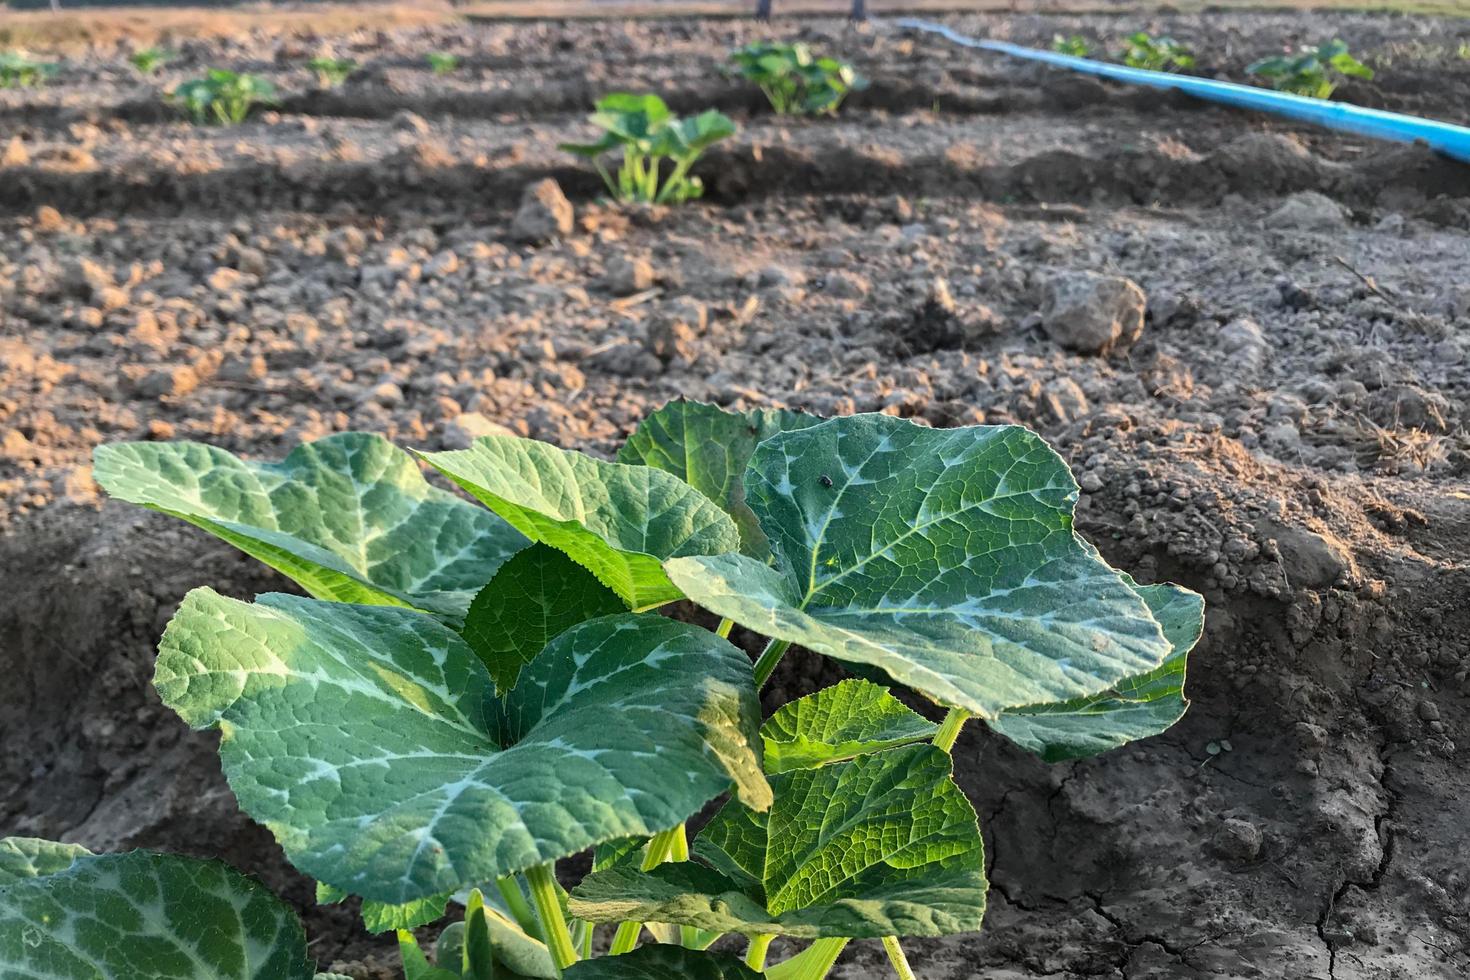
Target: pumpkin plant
[(647, 133), (796, 81), (468, 694), (223, 97), (1311, 72)]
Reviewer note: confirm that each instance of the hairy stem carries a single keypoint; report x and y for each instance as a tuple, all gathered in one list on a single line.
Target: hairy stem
[(755, 955), (950, 729), (769, 658), (895, 956), (553, 925), (663, 846), (812, 963), (520, 909)]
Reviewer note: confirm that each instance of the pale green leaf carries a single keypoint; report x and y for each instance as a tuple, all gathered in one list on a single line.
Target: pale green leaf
[(369, 741), (535, 597), (883, 845), (618, 521), (849, 719), (943, 557), (127, 916), (1136, 707), (416, 965), (524, 955), (659, 961), (31, 857), (383, 917), (708, 448), (348, 518)]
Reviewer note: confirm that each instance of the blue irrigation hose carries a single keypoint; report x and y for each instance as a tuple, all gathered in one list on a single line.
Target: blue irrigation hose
[(1447, 138)]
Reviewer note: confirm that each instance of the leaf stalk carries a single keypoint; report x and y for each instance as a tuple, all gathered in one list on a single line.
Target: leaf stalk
[(553, 924)]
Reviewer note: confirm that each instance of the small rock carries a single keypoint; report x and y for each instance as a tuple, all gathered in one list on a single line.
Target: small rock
[(1310, 560), (1428, 711), (446, 263), (168, 382), (387, 394), (627, 276), (1064, 400), (779, 277), (544, 214), (48, 219), (846, 285), (1237, 840), (465, 428), (672, 336), (410, 122), (225, 280), (15, 154), (1092, 313), (1090, 482), (1309, 211)]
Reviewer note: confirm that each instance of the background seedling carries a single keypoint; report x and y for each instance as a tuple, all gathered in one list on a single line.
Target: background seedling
[(223, 97), (20, 71), (647, 133), (1076, 45), (795, 80), (149, 60), (331, 72), (1143, 50), (441, 62), (1312, 72)]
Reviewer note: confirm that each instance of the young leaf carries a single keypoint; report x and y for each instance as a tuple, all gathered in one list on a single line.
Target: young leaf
[(618, 521), (841, 722), (31, 857), (126, 916), (884, 845), (535, 597), (1135, 708), (708, 448), (523, 955), (368, 740), (349, 517), (660, 961), (416, 965), (944, 557), (383, 917)]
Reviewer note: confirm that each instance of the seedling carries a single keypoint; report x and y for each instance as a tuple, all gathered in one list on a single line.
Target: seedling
[(647, 133), (441, 62), (1312, 72), (223, 97), (19, 71), (331, 72), (1143, 50), (795, 81), (477, 692), (1076, 46), (149, 60)]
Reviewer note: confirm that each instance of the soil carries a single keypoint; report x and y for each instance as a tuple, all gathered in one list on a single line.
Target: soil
[(1288, 435)]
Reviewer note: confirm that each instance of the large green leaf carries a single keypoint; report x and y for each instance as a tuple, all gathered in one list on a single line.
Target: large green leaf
[(883, 845), (659, 961), (1134, 708), (943, 557), (349, 517), (849, 719), (369, 741), (616, 520), (134, 915), (708, 448), (535, 597)]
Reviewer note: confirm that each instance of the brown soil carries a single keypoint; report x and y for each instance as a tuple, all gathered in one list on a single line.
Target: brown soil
[(1288, 436)]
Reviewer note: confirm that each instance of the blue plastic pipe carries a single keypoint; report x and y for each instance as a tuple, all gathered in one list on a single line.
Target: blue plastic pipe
[(1447, 138)]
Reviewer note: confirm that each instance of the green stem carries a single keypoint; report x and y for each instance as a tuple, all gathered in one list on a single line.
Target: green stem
[(895, 956), (724, 628), (769, 658), (950, 729), (553, 925), (520, 909), (812, 963), (660, 848), (755, 956)]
